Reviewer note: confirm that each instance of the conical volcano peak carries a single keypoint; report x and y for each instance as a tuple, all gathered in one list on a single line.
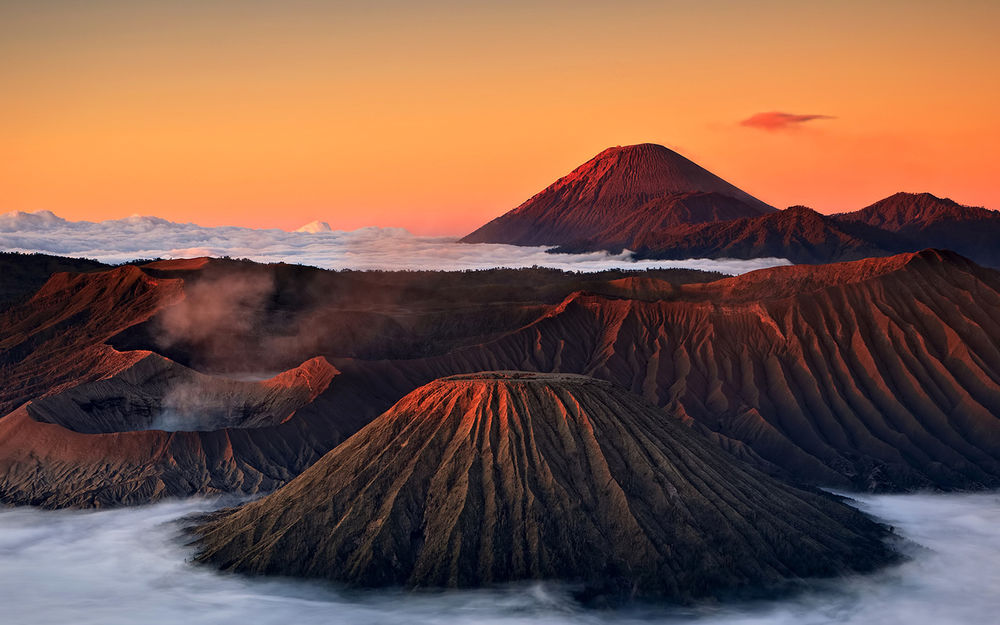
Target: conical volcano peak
[(497, 477), (654, 169), (617, 195), (649, 169)]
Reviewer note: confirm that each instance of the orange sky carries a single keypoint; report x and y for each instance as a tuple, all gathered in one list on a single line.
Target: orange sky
[(441, 116)]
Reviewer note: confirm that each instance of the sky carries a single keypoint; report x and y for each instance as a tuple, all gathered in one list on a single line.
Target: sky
[(438, 116)]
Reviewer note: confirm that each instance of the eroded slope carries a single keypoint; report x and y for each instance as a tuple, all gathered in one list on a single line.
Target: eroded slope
[(489, 478), (881, 374)]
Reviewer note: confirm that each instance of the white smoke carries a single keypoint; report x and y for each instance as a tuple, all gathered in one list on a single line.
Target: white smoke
[(122, 240), (130, 566)]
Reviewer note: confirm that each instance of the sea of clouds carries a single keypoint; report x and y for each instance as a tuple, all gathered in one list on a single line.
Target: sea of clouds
[(131, 565), (122, 240)]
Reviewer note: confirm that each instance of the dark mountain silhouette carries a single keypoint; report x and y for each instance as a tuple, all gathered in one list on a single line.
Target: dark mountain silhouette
[(617, 195), (499, 477), (798, 233), (922, 220), (902, 223)]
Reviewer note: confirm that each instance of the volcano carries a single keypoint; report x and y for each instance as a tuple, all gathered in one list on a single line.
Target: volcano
[(496, 477), (616, 196), (158, 429)]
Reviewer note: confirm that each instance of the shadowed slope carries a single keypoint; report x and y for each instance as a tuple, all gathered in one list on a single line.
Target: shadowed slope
[(904, 222), (799, 234), (881, 374), (618, 194), (490, 478)]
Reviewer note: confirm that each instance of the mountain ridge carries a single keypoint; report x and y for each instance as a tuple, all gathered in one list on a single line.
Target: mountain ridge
[(878, 374), (654, 202), (619, 186)]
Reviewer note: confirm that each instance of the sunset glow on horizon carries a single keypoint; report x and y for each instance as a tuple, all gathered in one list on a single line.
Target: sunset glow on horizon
[(439, 116)]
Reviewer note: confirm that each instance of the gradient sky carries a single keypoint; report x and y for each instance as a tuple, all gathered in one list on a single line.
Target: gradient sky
[(438, 116)]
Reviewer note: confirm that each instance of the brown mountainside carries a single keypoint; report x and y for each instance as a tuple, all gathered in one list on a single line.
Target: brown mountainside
[(23, 274), (876, 374), (82, 392), (497, 477), (157, 429)]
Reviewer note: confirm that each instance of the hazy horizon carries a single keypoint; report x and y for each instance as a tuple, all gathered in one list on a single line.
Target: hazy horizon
[(124, 240)]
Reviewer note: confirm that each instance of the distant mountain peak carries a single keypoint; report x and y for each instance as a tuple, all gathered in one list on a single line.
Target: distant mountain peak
[(648, 168), (314, 227), (619, 193), (909, 211)]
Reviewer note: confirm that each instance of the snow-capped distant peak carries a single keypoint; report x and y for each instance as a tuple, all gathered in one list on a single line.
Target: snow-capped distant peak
[(315, 226)]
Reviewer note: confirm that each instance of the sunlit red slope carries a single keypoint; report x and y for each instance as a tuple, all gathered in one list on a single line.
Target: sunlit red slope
[(59, 336), (501, 477), (615, 196), (23, 274), (875, 374)]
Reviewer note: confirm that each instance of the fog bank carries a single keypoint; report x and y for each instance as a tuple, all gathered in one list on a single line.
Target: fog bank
[(129, 566), (122, 240)]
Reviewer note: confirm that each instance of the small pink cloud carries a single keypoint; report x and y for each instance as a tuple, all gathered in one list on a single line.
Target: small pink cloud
[(773, 121)]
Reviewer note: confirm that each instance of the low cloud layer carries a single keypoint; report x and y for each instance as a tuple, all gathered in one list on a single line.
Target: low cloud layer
[(129, 565), (122, 240), (773, 121)]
